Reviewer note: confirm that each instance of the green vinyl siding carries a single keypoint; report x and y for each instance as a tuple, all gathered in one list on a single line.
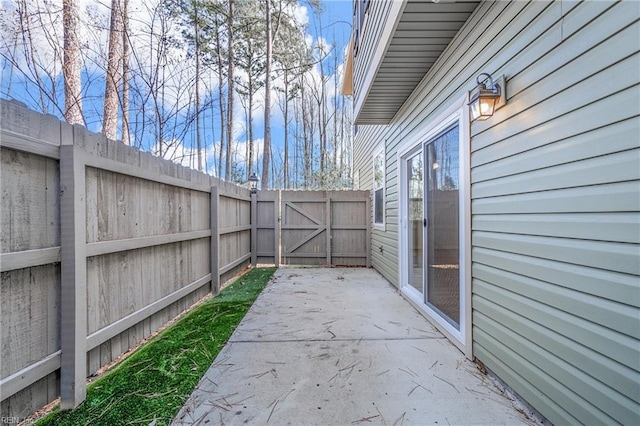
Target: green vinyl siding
[(555, 183), (555, 200), (369, 40), (365, 143), (555, 265), (612, 197)]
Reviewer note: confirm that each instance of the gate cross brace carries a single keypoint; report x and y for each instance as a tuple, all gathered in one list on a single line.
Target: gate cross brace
[(303, 213), (308, 238)]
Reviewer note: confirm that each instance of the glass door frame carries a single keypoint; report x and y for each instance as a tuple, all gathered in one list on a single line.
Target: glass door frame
[(416, 151), (457, 113), (432, 234)]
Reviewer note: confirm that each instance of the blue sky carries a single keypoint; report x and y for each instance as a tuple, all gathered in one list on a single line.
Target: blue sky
[(334, 23), (337, 15)]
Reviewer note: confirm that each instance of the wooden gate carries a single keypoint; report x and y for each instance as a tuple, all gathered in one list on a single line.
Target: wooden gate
[(313, 227)]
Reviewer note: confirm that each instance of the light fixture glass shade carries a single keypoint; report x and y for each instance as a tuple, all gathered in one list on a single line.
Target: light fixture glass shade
[(482, 108), (483, 99), (253, 182)]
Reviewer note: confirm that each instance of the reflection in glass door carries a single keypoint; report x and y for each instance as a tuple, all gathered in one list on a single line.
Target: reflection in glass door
[(442, 187), (415, 221)]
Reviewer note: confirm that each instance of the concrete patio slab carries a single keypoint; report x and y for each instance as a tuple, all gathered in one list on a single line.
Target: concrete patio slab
[(339, 346)]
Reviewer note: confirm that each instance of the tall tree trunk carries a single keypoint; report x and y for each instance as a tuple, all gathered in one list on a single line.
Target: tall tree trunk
[(335, 112), (157, 90), (322, 127), (213, 126), (266, 153), (246, 142), (220, 96), (342, 124), (197, 41), (227, 171), (285, 164), (296, 133), (160, 108), (274, 180), (126, 54), (251, 143), (110, 115), (306, 152), (71, 66), (324, 130)]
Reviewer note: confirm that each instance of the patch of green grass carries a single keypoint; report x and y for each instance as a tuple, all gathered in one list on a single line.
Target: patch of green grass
[(154, 382)]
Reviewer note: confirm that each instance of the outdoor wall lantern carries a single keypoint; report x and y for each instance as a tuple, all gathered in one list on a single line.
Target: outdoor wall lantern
[(253, 183), (485, 99)]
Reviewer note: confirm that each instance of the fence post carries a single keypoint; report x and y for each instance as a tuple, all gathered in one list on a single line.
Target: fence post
[(254, 229), (73, 265), (328, 231), (277, 230), (215, 241), (367, 216)]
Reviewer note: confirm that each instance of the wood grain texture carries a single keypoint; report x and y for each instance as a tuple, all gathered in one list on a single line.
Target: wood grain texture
[(155, 237), (26, 289), (73, 328), (29, 258), (323, 224)]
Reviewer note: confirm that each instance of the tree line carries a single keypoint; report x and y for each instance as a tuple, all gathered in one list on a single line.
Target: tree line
[(201, 82)]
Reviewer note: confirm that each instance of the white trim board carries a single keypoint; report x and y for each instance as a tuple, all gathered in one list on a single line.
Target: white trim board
[(457, 112), (381, 149), (397, 7)]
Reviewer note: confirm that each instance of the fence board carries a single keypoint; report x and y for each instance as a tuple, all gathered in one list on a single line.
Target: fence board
[(31, 374), (324, 225), (215, 240), (265, 228), (114, 329), (28, 144), (142, 239), (29, 258), (277, 205), (107, 247), (74, 274)]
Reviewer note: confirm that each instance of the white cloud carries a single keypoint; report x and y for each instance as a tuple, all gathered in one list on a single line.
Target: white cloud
[(323, 46), (179, 71), (175, 151), (301, 14), (238, 152), (39, 26)]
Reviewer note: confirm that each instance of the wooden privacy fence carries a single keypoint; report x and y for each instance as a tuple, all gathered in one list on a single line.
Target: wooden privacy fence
[(101, 244), (313, 228)]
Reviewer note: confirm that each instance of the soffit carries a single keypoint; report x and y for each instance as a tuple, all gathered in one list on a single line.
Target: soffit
[(423, 32)]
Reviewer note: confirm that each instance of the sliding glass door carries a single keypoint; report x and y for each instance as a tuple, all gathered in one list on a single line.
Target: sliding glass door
[(432, 182), (415, 221), (442, 256)]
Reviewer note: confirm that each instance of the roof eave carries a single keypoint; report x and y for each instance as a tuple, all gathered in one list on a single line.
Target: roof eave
[(420, 33)]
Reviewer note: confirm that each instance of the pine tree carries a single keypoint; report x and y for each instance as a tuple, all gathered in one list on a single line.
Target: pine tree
[(114, 73), (71, 65)]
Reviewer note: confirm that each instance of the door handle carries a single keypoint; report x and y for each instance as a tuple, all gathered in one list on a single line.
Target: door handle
[(424, 222)]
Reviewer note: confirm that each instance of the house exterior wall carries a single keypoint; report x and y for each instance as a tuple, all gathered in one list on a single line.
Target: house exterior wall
[(369, 39), (555, 199), (384, 241)]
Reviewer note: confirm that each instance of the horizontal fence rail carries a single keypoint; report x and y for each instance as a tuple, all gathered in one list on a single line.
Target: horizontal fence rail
[(102, 244), (313, 227)]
